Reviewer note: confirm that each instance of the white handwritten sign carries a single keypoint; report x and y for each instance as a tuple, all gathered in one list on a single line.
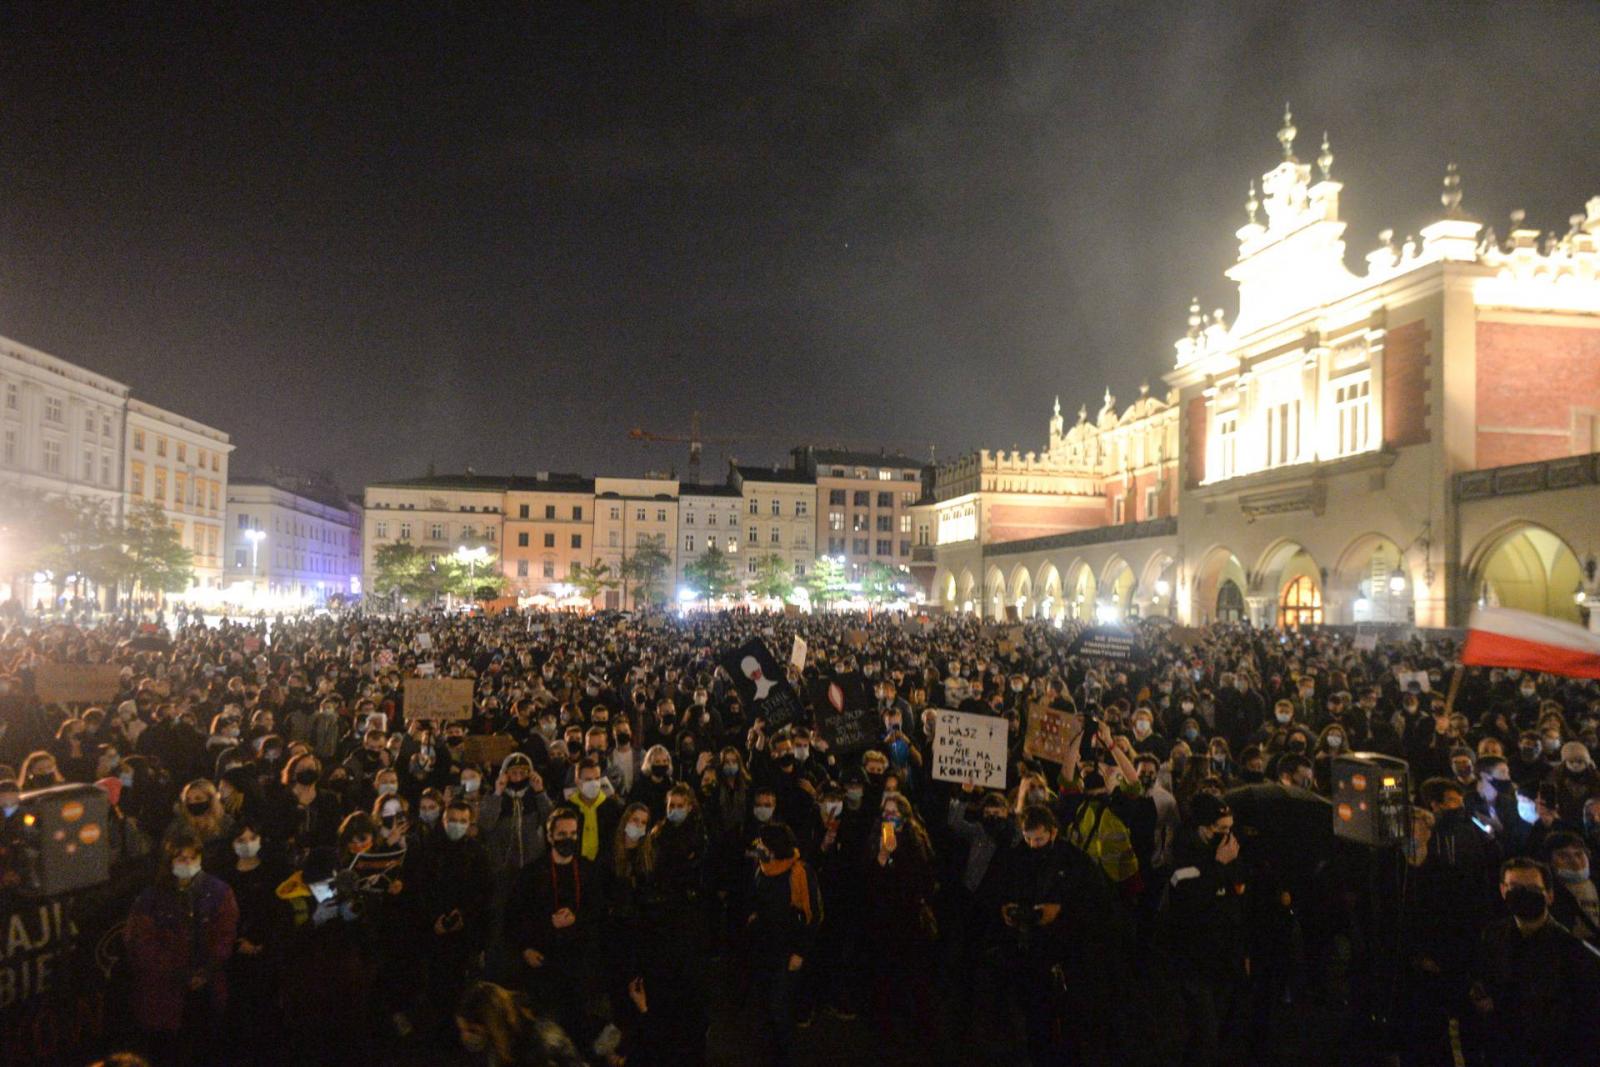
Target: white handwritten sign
[(969, 748), (797, 654)]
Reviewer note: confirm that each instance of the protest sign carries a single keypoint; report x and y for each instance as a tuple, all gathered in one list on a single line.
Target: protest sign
[(424, 641), (252, 644), (1405, 678), (851, 731), (1104, 643), (439, 699), (1186, 636), (857, 638), (1011, 613), (1015, 635), (969, 748), (791, 611), (1366, 642), (765, 690), (1049, 733), (489, 749), (797, 654), (76, 683)]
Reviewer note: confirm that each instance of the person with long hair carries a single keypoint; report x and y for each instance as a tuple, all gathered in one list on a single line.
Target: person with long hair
[(785, 911), (180, 935), (498, 1027), (899, 925), (199, 811)]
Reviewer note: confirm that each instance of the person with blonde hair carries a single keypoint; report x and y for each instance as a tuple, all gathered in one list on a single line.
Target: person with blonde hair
[(498, 1026)]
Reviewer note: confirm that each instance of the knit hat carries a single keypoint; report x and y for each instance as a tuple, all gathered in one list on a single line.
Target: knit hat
[(515, 757)]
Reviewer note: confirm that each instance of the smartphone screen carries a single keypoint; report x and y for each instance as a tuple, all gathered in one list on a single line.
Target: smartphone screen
[(322, 891)]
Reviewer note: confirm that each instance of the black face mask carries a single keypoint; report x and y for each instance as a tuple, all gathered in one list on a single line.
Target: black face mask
[(198, 807), (566, 847), (658, 772), (1525, 902), (516, 789), (38, 781), (305, 777), (996, 824), (786, 760)]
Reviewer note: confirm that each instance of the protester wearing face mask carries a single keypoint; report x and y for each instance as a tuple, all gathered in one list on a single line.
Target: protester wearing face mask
[(1577, 903), (1146, 737), (305, 816), (1535, 987), (655, 779), (596, 804), (1204, 926), (1576, 779), (180, 935), (785, 911), (252, 971), (454, 893), (511, 819), (552, 922)]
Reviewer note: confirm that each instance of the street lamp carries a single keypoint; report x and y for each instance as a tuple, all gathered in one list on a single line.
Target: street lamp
[(471, 557)]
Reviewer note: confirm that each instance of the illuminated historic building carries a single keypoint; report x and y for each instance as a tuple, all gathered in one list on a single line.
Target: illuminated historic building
[(1393, 445)]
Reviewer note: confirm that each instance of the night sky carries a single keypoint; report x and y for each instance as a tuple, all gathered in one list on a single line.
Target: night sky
[(368, 239)]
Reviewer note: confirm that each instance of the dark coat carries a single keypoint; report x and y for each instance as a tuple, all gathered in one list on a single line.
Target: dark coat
[(173, 934)]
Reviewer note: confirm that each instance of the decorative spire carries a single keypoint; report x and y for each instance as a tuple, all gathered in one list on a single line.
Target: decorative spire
[(1144, 390), (1286, 133), (1083, 412), (1058, 406), (1194, 320), (1451, 196), (1252, 205), (1325, 160)]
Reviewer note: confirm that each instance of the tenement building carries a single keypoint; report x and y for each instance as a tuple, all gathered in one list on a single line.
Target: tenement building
[(1393, 443)]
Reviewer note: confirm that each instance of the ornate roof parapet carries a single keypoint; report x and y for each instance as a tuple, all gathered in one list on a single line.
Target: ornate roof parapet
[(1205, 335), (1543, 271)]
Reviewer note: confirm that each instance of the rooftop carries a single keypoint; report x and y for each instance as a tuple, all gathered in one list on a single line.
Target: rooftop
[(786, 475), (881, 458)]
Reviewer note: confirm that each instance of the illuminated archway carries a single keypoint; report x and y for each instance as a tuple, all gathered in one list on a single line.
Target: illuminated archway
[(1048, 583), (1080, 591), (1020, 591), (1157, 582), (944, 585), (1372, 580), (994, 594), (1219, 586), (1300, 603), (1116, 590), (969, 592), (1527, 567)]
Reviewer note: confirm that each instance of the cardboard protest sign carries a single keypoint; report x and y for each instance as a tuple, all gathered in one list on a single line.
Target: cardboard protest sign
[(251, 644), (76, 683), (1103, 642), (1011, 613), (1366, 642), (857, 638), (1050, 733), (760, 680), (969, 748), (1186, 636), (1004, 648), (797, 654), (490, 749), (1015, 635), (791, 611), (440, 699)]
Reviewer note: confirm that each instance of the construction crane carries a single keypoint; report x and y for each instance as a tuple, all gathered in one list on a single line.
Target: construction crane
[(697, 442)]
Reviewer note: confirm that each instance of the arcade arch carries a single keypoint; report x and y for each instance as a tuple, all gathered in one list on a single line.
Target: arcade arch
[(1527, 567)]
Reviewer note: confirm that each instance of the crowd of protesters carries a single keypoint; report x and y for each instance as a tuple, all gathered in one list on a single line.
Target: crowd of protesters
[(616, 844)]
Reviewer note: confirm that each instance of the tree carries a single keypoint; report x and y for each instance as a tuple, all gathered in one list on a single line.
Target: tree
[(881, 583), (711, 575), (774, 578), (826, 581), (646, 569), (592, 581), (397, 570), (157, 562)]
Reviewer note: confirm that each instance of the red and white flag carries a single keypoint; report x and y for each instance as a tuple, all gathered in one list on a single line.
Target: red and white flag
[(1502, 637)]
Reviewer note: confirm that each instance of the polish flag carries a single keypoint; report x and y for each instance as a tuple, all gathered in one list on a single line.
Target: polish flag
[(1502, 637)]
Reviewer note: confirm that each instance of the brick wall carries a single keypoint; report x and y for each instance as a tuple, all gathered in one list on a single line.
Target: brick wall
[(1532, 381), (1405, 385), (1015, 522)]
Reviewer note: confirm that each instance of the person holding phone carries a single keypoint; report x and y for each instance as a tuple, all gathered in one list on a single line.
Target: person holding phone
[(1204, 923)]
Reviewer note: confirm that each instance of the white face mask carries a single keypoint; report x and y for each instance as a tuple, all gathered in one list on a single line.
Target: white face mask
[(469, 785), (589, 789), (247, 849), (185, 871), (455, 831), (633, 831), (832, 808), (1141, 728), (386, 788)]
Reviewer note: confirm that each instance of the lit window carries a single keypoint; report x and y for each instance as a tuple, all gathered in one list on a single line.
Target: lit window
[(1352, 408), (1227, 444), (688, 542), (836, 520)]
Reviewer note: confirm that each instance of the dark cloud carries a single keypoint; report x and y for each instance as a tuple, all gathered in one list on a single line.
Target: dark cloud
[(372, 237)]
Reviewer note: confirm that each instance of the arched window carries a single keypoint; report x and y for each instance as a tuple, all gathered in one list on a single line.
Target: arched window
[(1301, 604)]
